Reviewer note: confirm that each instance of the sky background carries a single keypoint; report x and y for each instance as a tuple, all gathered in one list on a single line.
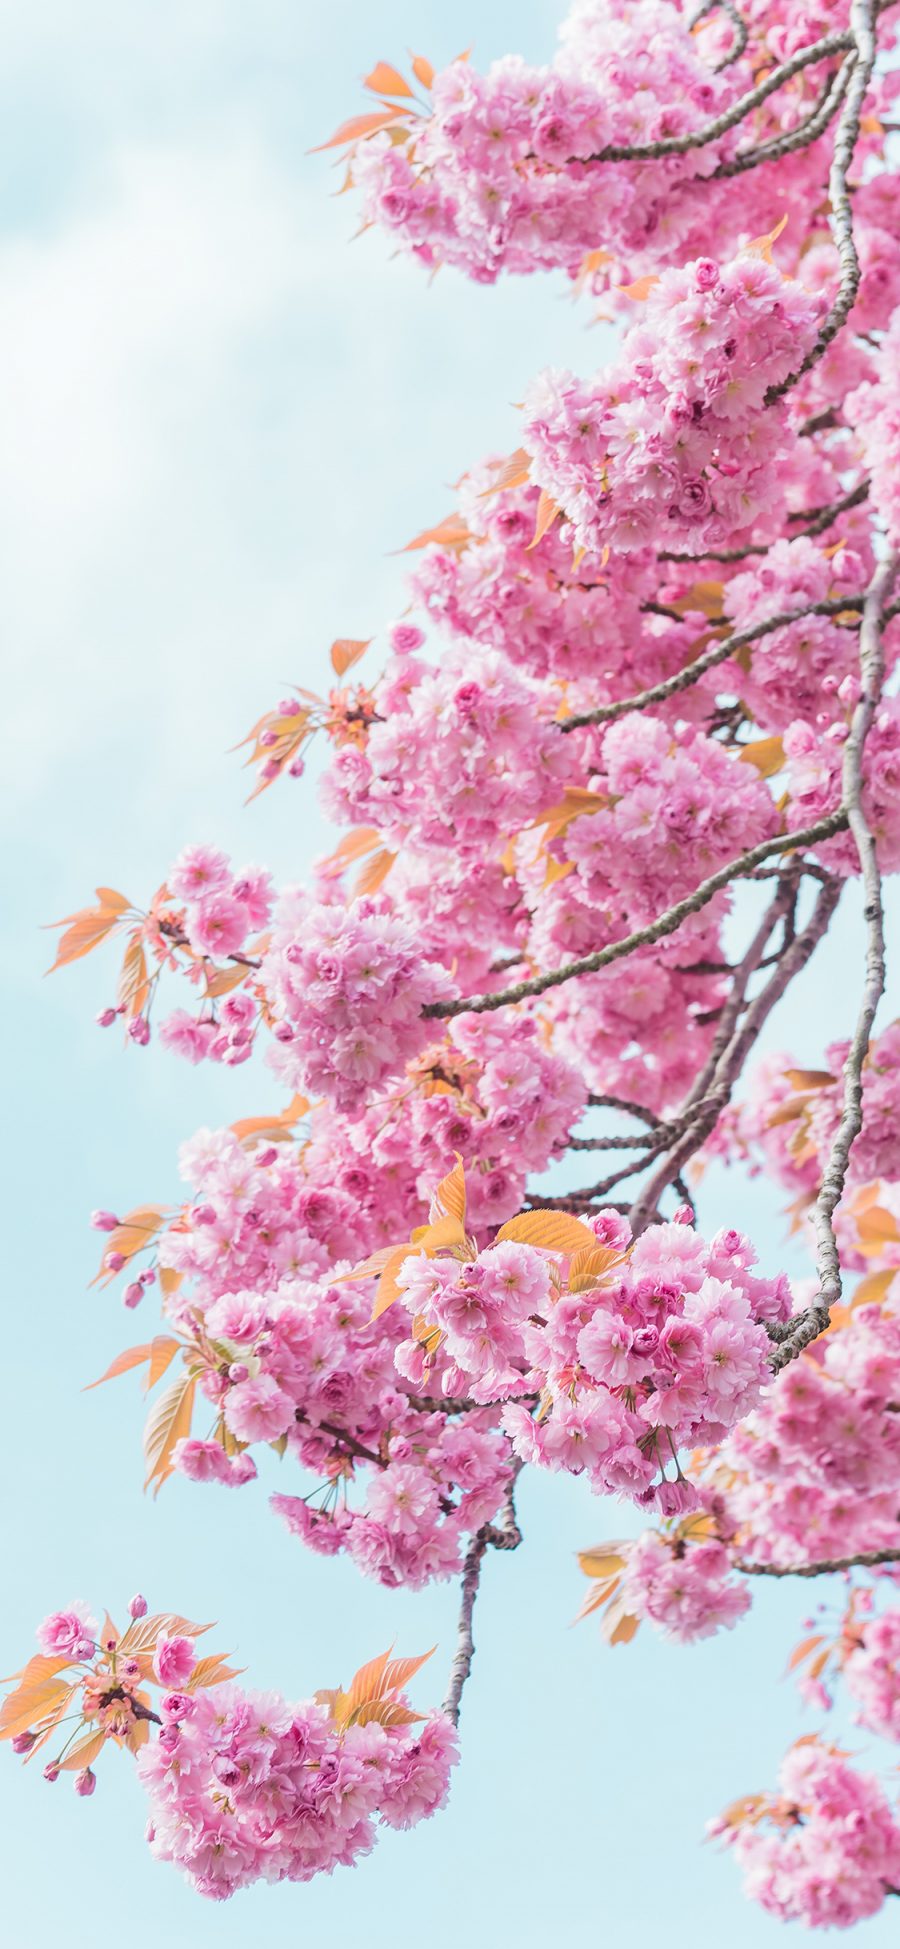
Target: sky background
[(219, 418)]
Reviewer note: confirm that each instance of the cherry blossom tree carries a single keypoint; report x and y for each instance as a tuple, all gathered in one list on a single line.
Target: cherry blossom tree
[(647, 662)]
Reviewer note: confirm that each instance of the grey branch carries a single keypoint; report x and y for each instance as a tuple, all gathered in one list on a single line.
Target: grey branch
[(863, 15), (736, 1037), (799, 137), (656, 930), (741, 30), (679, 145), (691, 674), (506, 1536), (864, 1559), (813, 1321)]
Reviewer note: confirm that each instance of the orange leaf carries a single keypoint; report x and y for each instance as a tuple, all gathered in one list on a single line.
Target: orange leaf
[(423, 70), (877, 1226), (162, 1353), (803, 1649), (449, 533), (353, 846), (385, 1712), (576, 802), (446, 1231), (86, 931), (83, 1752), (31, 1703), (547, 511), (274, 1128), (132, 1357), (169, 1422), (448, 1200), (211, 1671), (374, 873), (605, 1561), (619, 1626), (767, 754), (810, 1079), (589, 1264), (872, 1290), (762, 246), (387, 1289), (385, 80), (116, 902), (143, 1632), (357, 128), (400, 1670), (510, 473), (555, 1231), (133, 987), (639, 290), (346, 651), (597, 1596), (222, 980)]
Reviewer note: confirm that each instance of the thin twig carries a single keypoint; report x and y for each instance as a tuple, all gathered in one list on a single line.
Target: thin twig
[(692, 672), (814, 1319), (865, 1559), (656, 930), (506, 1536)]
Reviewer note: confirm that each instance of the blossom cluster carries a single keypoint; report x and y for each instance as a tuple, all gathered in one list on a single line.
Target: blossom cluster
[(824, 1849), (244, 1786), (672, 438), (666, 1346)]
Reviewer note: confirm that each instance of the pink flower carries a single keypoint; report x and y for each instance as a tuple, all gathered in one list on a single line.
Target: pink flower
[(173, 1660), (69, 1634)]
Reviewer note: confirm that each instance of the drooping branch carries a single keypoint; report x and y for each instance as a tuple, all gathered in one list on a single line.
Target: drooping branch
[(691, 674), (504, 1536), (679, 145), (813, 1321), (712, 1091), (656, 930), (741, 30), (864, 1559), (863, 15)]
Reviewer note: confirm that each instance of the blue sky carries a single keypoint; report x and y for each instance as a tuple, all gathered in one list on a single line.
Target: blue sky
[(220, 417)]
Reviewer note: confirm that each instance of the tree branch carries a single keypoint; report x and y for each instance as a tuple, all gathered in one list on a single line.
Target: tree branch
[(691, 674), (865, 1559), (507, 1536), (809, 1324), (656, 930)]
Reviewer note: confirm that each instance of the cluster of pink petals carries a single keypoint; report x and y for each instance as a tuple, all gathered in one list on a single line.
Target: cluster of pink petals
[(814, 785), (812, 1473), (686, 1589), (672, 441), (245, 1787), (457, 753), (824, 1850), (874, 411), (871, 1672), (347, 989), (669, 1350)]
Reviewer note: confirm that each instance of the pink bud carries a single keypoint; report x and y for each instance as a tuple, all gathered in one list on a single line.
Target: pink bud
[(203, 1214), (22, 1742), (268, 738), (284, 1032), (104, 1221), (51, 1773), (106, 1018), (114, 1261), (237, 1371), (148, 1276), (138, 1606), (685, 1215), (287, 706), (297, 769), (271, 768), (85, 1783), (266, 1156), (133, 1294), (139, 1031)]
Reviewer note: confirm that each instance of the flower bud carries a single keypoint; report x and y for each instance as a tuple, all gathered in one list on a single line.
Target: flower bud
[(22, 1742), (138, 1606), (114, 1261), (85, 1783), (133, 1294), (104, 1221), (51, 1773), (106, 1018)]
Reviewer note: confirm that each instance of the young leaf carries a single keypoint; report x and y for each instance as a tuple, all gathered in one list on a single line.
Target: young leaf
[(133, 987), (85, 931), (554, 1231), (385, 80), (547, 511), (169, 1422), (423, 70), (387, 1289), (132, 1357), (449, 533), (603, 1562), (346, 651), (357, 128), (448, 1200)]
